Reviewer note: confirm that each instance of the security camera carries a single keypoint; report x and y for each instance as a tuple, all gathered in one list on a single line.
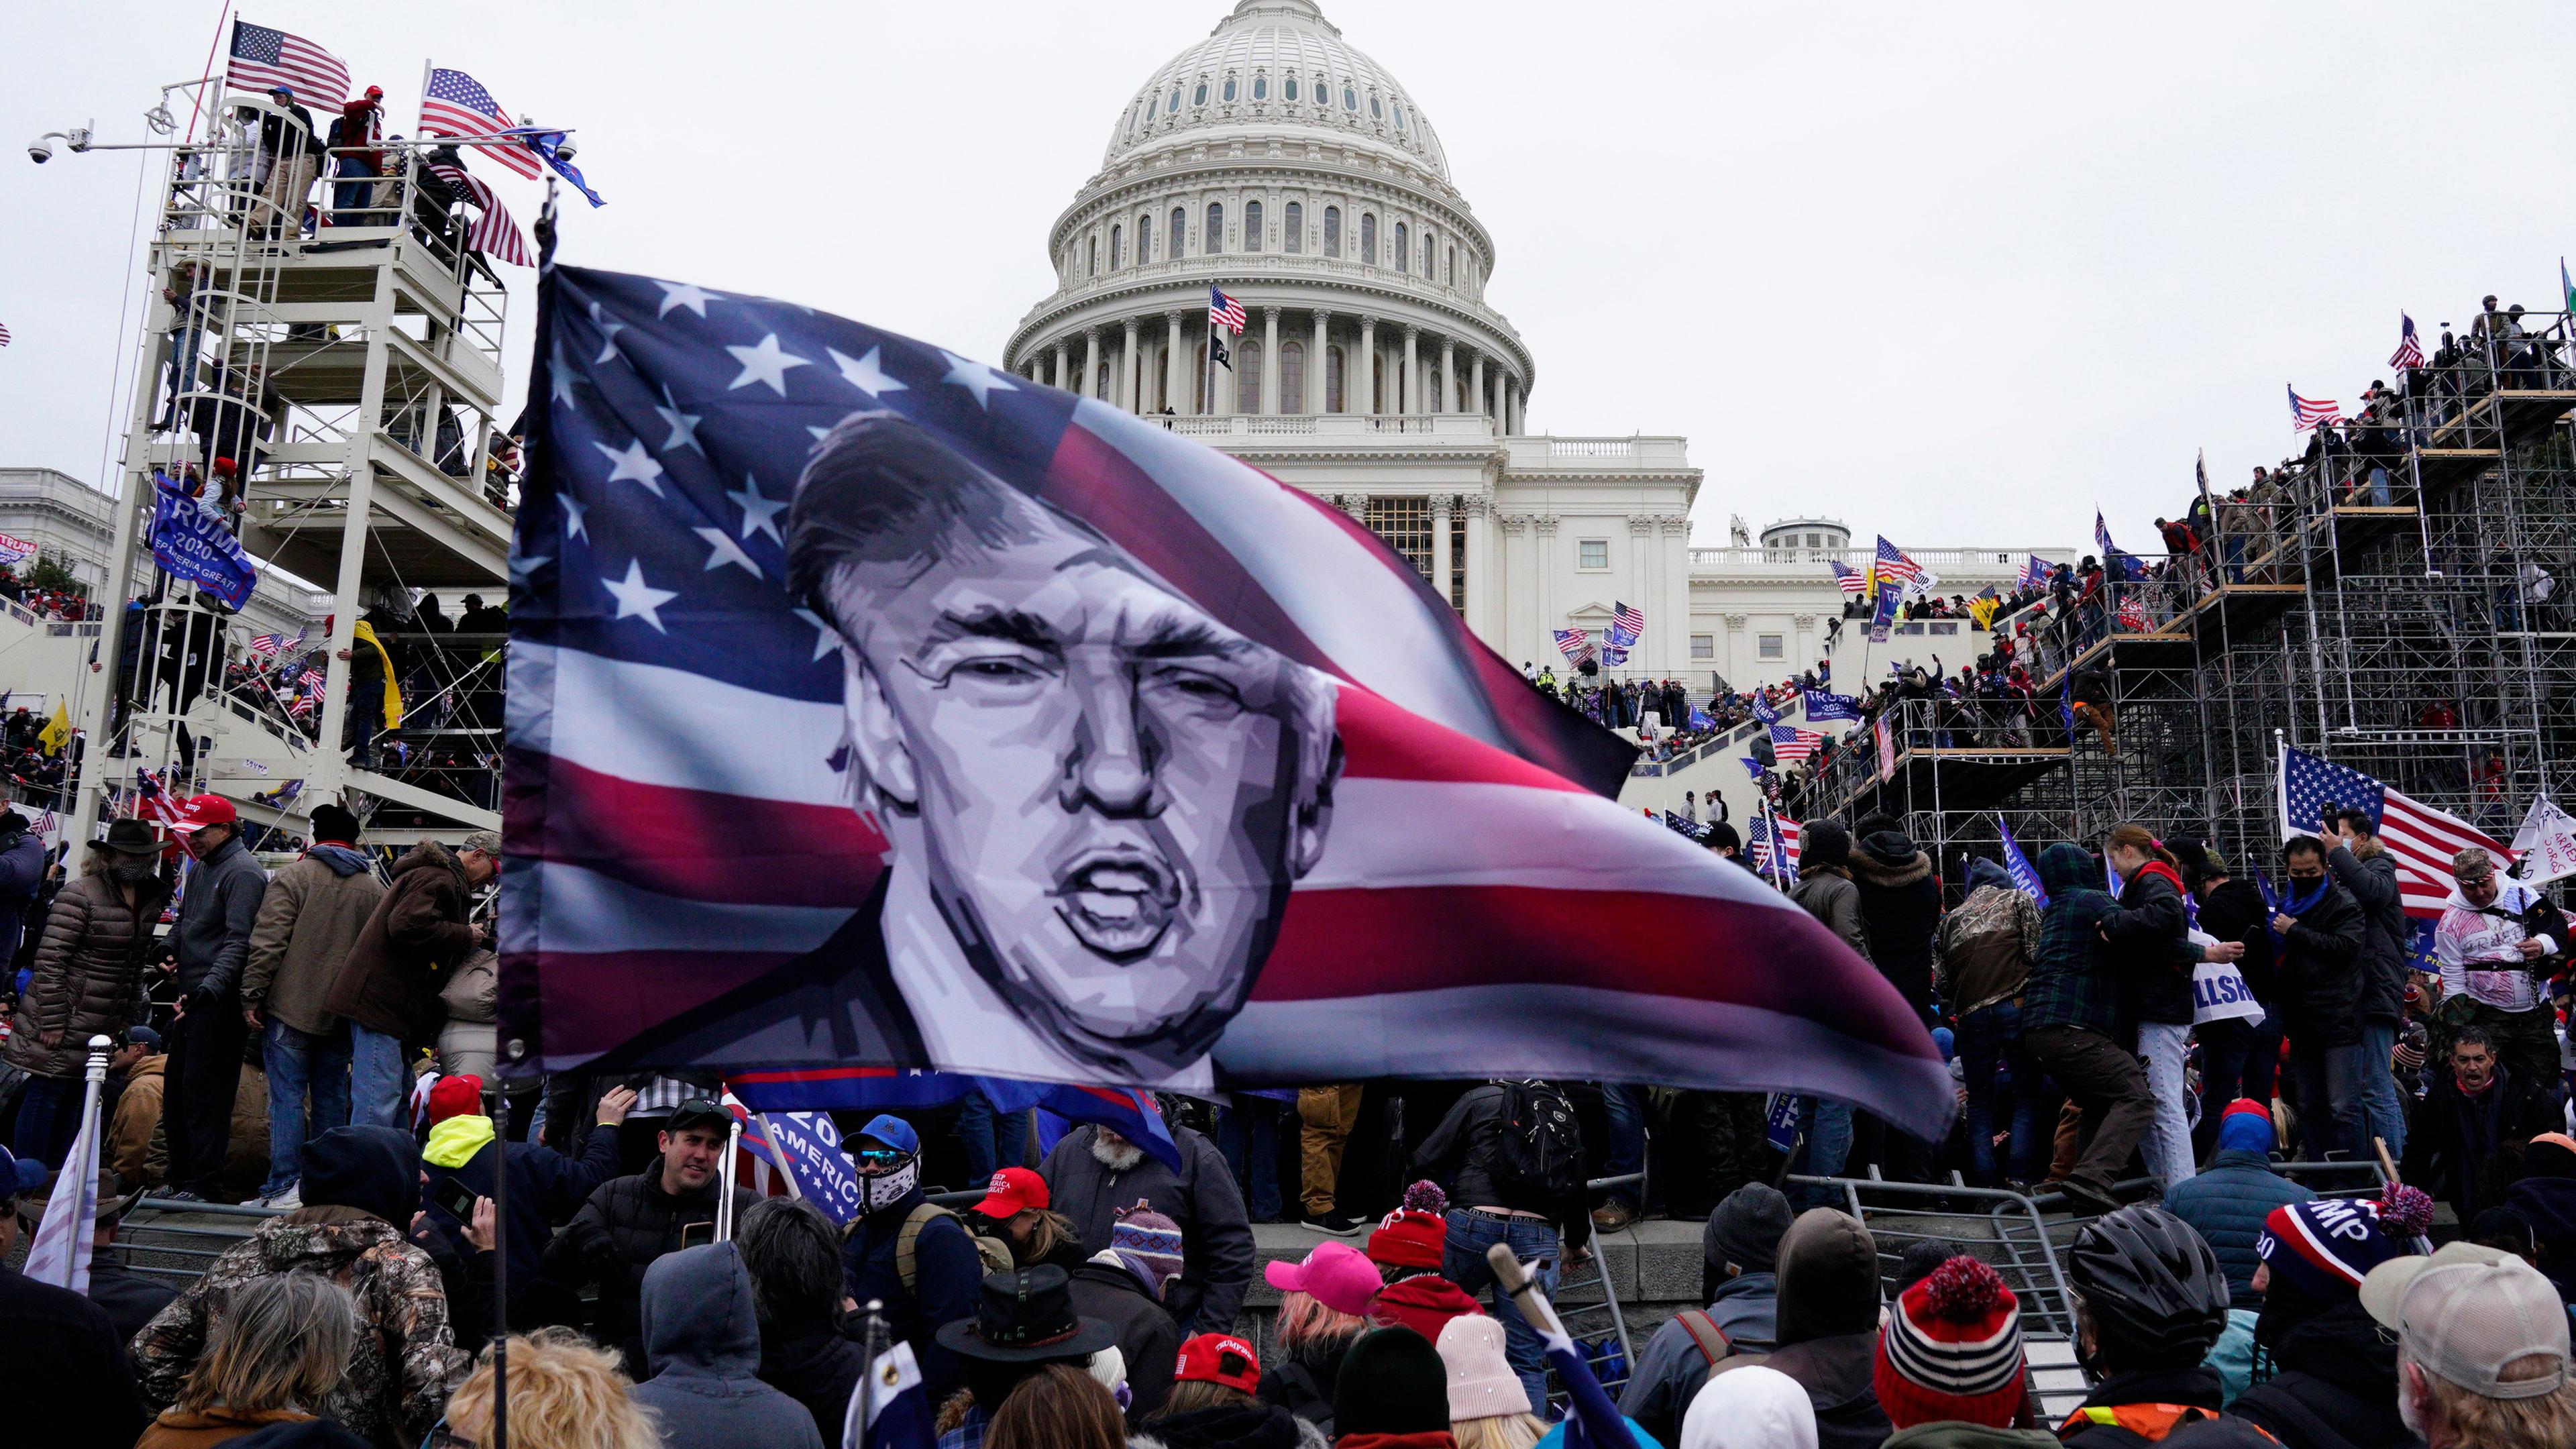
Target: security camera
[(567, 150), (40, 150)]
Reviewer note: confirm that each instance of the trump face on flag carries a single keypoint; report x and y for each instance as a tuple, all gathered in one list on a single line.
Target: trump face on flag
[(1097, 797)]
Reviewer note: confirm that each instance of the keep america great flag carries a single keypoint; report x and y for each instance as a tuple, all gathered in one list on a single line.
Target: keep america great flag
[(873, 707)]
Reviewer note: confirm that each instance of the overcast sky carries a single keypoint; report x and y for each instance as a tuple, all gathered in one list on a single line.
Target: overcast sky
[(1955, 273)]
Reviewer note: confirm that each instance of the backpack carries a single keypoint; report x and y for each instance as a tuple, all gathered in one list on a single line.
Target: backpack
[(1540, 1155), (1705, 1335), (996, 1254)]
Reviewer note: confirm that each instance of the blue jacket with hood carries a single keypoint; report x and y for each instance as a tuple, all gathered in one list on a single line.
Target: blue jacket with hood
[(702, 1338)]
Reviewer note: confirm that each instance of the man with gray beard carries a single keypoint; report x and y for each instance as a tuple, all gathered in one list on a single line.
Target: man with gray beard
[(1093, 1173)]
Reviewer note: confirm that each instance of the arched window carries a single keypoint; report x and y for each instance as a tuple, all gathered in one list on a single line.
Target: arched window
[(1100, 382), (1199, 97), (1261, 87), (1229, 88), (1350, 97), (1290, 82), (1452, 273), (1323, 92), (1252, 226), (1376, 111), (1332, 379), (1117, 241), (1428, 272), (1095, 256), (1294, 233), (1179, 233), (1292, 377), (1247, 376), (1214, 241), (1144, 238), (1399, 115), (1403, 253), (1176, 101), (1332, 231), (1368, 238)]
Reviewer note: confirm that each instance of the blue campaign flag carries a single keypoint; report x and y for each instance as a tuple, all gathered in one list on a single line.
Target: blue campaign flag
[(1132, 1114), (1592, 1421), (192, 542), (2066, 705), (1699, 719), (2018, 866), (1824, 704), (889, 1408), (549, 144), (1763, 711), (810, 1147), (1751, 765), (1780, 1121), (1883, 618)]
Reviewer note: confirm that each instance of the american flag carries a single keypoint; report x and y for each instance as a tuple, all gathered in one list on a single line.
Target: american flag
[(1852, 580), (1613, 654), (1573, 643), (2102, 538), (2032, 572), (455, 104), (2422, 838), (494, 233), (1790, 744), (4, 334), (266, 646), (1224, 311), (1627, 624), (1498, 807), (150, 800), (312, 680), (264, 59), (300, 706), (2410, 350), (1758, 840), (1892, 566), (2133, 613), (2306, 413)]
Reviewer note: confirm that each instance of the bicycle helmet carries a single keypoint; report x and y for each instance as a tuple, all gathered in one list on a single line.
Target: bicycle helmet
[(2152, 1287)]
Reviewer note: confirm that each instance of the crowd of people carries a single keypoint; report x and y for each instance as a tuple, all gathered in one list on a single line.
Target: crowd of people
[(60, 604)]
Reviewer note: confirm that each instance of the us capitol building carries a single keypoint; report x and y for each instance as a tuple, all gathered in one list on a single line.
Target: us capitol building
[(1275, 160)]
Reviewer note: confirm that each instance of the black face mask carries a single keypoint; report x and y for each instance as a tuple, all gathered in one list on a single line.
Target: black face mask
[(133, 870)]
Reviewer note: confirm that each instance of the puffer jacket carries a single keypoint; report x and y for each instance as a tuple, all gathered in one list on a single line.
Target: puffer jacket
[(308, 922), (2147, 948), (22, 876), (703, 1336), (2319, 971), (1826, 892), (418, 932), (2226, 1204), (1901, 903), (2385, 937), (88, 975), (406, 1359)]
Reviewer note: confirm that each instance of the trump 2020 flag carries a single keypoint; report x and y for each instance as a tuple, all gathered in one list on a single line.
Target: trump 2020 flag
[(873, 706)]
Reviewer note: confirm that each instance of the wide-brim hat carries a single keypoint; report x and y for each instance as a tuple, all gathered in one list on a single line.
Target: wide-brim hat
[(112, 1200), (1026, 1316), (131, 837)]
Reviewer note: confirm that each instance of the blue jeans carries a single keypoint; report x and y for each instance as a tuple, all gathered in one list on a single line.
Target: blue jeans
[(976, 1123), (349, 198), (297, 1062), (2329, 1097), (1989, 1039), (1247, 1134), (1827, 1126), (48, 1118), (379, 1080), (1463, 1262), (2382, 1115), (1627, 1108)]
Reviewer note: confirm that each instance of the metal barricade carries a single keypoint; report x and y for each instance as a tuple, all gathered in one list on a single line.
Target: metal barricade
[(1588, 1305), (172, 1241)]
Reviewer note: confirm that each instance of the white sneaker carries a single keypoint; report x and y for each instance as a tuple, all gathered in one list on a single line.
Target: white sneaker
[(289, 1200)]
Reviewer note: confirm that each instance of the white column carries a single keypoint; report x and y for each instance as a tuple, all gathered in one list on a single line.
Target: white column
[(1440, 545), (1677, 592), (1365, 400), (1641, 530), (1549, 621), (1448, 402), (1411, 402), (1476, 381), (1176, 388), (1319, 367), (1270, 360), (1517, 599), (1090, 362), (1060, 362), (1129, 372), (1498, 400), (1512, 395), (1480, 568)]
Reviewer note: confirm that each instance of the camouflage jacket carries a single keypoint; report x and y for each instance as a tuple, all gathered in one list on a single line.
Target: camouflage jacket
[(406, 1360)]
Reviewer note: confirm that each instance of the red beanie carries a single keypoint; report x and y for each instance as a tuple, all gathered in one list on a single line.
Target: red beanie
[(456, 1096), (1952, 1350), (1409, 1239)]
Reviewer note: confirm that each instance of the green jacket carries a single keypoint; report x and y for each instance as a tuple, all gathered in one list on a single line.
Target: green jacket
[(1958, 1434)]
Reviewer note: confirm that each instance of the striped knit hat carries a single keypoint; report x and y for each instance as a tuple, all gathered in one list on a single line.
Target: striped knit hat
[(1148, 1244), (2326, 1246), (1952, 1350)]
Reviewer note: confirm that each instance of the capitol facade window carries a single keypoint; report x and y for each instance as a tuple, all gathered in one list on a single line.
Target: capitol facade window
[(1333, 380), (1252, 226), (1703, 647), (1399, 115), (1332, 231), (1214, 241), (1117, 236), (1144, 239), (1292, 377), (1261, 88), (1350, 98), (1095, 256), (1294, 233), (1401, 251), (1176, 101), (1229, 88), (1290, 84), (1592, 553), (1323, 92), (1180, 225), (1368, 238), (1405, 525), (1199, 96), (1375, 112), (1247, 376), (1770, 646)]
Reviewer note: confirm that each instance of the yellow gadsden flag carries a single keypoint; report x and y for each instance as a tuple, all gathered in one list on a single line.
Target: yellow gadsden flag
[(57, 731), (365, 638)]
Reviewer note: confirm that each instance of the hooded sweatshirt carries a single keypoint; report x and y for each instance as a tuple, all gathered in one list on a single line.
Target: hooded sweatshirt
[(702, 1338), (358, 1183), (1986, 946), (1901, 904), (2070, 985), (1828, 1327)]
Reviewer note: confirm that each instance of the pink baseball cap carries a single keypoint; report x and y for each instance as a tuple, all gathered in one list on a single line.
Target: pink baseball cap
[(1336, 1275)]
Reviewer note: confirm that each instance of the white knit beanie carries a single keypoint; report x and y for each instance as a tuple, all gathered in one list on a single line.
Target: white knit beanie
[(1481, 1382)]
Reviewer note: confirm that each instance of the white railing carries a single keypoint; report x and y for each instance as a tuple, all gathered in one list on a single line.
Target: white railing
[(1592, 447), (1935, 559), (1329, 425)]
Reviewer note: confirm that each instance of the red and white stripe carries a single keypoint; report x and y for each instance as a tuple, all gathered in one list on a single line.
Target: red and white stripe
[(2424, 839), (494, 233), (1468, 888), (319, 79)]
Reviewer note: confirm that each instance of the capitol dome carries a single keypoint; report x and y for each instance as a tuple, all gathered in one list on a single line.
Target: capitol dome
[(1275, 162), (1274, 63)]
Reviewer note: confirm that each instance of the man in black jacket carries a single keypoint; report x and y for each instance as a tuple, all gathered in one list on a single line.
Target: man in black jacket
[(1900, 904), (209, 947), (2362, 865), (63, 1371), (1490, 1204), (1122, 1285), (631, 1221), (2318, 963), (1094, 1174), (2238, 1058), (2476, 1118)]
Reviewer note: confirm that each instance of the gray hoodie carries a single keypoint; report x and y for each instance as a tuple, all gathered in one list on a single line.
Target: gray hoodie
[(702, 1339)]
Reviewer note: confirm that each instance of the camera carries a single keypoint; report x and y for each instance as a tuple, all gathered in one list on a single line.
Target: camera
[(40, 151)]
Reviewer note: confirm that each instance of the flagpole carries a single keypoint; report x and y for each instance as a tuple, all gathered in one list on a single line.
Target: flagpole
[(500, 1265)]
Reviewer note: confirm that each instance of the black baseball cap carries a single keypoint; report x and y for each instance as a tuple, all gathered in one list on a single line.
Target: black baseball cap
[(698, 1112)]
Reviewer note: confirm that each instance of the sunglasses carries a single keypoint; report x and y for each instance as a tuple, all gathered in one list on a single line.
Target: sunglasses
[(879, 1156)]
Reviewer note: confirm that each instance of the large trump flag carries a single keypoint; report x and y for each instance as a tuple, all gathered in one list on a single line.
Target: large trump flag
[(872, 707)]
